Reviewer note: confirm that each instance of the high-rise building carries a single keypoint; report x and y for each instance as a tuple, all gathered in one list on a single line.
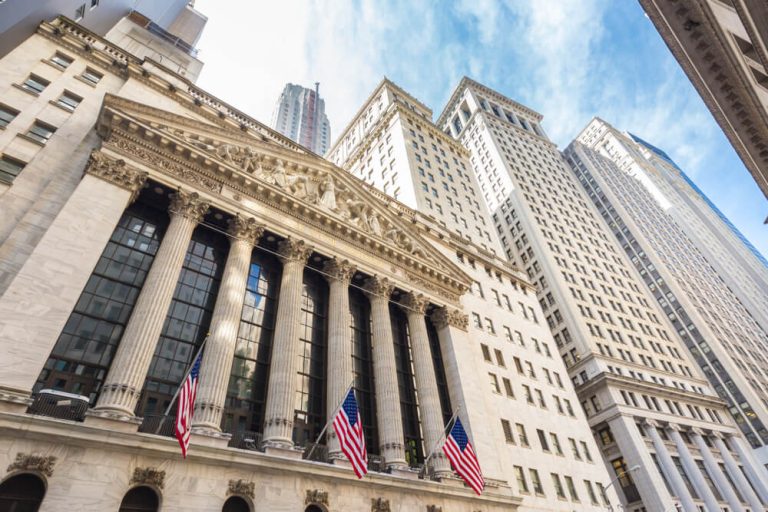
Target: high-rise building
[(664, 227), (535, 431), (723, 48), (661, 428), (300, 116)]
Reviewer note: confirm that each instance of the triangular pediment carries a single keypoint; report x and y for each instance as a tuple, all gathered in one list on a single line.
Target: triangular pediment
[(251, 162)]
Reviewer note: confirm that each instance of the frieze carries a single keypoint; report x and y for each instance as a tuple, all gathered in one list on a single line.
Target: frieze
[(149, 476), (316, 497), (242, 488), (427, 285), (30, 462)]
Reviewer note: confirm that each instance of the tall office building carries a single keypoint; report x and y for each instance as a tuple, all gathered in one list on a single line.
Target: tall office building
[(300, 116), (660, 427), (665, 226)]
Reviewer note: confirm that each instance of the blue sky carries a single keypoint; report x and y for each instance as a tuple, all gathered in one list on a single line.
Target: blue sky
[(569, 60)]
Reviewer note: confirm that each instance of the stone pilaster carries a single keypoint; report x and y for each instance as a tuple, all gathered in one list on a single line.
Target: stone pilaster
[(339, 274), (222, 340), (736, 474), (390, 421), (129, 368), (692, 469), (713, 468), (278, 423), (426, 383), (674, 477)]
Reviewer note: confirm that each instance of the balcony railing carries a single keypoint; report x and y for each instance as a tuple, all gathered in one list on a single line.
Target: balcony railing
[(58, 404), (318, 454), (158, 424), (246, 440)]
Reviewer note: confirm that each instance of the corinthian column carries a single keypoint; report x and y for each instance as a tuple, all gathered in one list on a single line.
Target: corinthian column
[(278, 424), (390, 421), (129, 368), (426, 383), (339, 274), (222, 340)]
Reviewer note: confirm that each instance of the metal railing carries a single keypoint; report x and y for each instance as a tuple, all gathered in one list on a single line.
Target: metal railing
[(158, 424), (376, 463), (319, 453), (58, 404), (246, 440)]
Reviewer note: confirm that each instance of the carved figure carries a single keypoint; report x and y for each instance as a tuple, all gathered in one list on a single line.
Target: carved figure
[(224, 151), (251, 163), (328, 197)]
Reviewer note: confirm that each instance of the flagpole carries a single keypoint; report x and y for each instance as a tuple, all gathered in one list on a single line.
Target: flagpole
[(446, 427), (330, 419), (178, 390)]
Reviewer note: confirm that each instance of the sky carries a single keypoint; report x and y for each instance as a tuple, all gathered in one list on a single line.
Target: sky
[(570, 60)]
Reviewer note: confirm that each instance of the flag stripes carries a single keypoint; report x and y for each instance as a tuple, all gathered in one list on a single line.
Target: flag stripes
[(186, 406), (349, 430), (459, 451)]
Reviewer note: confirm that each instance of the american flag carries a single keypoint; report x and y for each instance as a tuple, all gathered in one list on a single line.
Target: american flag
[(459, 451), (349, 429), (186, 406)]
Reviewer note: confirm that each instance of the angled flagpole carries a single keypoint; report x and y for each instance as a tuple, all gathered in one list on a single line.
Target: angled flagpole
[(330, 419), (446, 428)]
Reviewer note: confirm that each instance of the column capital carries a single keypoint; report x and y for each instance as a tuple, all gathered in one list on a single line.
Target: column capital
[(717, 435), (650, 423), (292, 249), (415, 302), (696, 431), (377, 286), (444, 317), (245, 229), (674, 427), (116, 172), (188, 205), (339, 270)]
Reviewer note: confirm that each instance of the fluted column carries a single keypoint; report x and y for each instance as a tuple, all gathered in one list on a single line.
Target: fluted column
[(756, 474), (737, 475), (670, 470), (278, 422), (390, 421), (693, 470), (431, 412), (225, 322), (129, 368), (714, 470), (340, 372)]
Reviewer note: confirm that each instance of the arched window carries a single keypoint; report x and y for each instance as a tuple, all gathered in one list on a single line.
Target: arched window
[(236, 504), (313, 508), (140, 499), (22, 493)]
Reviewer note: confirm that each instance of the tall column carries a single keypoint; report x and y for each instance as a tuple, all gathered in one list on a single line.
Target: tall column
[(281, 393), (670, 470), (649, 482), (736, 474), (129, 368), (339, 274), (714, 470), (225, 322), (699, 482), (390, 421), (426, 383), (756, 474)]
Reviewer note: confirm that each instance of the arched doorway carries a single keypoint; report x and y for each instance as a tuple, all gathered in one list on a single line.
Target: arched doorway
[(236, 504), (22, 493), (140, 499)]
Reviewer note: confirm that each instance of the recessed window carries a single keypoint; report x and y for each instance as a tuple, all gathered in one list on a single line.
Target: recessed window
[(35, 84), (62, 60), (94, 4), (7, 114), (41, 132), (10, 168), (80, 12), (68, 101), (92, 76)]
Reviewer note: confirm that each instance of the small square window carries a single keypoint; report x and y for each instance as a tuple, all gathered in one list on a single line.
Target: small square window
[(68, 101), (61, 60), (94, 4), (10, 168), (35, 84), (80, 12), (7, 114), (41, 132), (91, 76)]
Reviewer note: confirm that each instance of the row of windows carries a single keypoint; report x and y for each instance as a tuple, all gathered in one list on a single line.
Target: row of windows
[(559, 485)]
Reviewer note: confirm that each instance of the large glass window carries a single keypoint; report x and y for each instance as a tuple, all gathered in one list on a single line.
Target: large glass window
[(83, 353), (414, 451), (362, 361), (442, 381), (247, 393), (187, 321)]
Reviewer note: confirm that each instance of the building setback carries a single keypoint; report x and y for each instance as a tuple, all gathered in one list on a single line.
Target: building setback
[(300, 115), (667, 436)]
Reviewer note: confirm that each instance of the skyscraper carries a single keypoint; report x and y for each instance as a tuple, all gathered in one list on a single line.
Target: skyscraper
[(638, 386), (692, 260), (300, 116)]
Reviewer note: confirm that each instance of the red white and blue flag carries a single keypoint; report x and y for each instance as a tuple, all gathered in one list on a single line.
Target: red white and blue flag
[(459, 451), (186, 406), (349, 429)]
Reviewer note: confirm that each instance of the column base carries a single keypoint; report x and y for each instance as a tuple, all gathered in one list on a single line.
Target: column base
[(404, 472), (285, 450), (341, 462), (115, 422), (212, 438)]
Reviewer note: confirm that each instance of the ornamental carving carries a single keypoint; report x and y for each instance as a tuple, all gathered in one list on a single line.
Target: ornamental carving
[(116, 172), (380, 505), (241, 488), (316, 497), (434, 508), (444, 317), (148, 476), (245, 229), (432, 287), (292, 249), (31, 462), (378, 287), (415, 302), (341, 270), (188, 205)]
